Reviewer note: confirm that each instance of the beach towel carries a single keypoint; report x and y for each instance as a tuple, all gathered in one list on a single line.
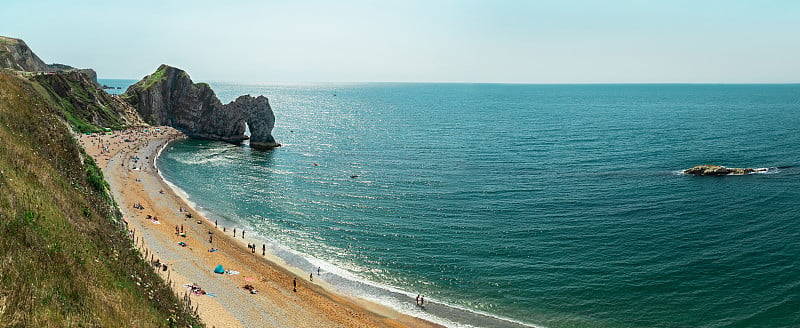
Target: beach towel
[(219, 269)]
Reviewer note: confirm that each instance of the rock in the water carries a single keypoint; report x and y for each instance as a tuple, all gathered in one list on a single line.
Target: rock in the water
[(717, 170), (169, 97)]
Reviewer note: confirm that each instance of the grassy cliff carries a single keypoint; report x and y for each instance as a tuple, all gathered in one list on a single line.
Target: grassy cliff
[(85, 106), (64, 259)]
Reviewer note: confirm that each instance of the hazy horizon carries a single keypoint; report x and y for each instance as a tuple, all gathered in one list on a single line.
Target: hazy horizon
[(542, 42)]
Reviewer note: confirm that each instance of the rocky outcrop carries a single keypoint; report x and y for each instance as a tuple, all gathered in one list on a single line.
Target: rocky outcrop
[(16, 55), (169, 97), (717, 170), (87, 107)]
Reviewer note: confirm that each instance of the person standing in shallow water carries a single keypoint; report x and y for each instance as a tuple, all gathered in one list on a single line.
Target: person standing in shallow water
[(311, 277)]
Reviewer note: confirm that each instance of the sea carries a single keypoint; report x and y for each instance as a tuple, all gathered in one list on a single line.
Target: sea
[(512, 205)]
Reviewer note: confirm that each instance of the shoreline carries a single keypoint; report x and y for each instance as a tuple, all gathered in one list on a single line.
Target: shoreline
[(135, 181), (437, 312)]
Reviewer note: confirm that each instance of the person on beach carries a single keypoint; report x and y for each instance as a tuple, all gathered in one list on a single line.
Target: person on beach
[(311, 277), (210, 239), (242, 233), (234, 232), (215, 224), (263, 249), (294, 285)]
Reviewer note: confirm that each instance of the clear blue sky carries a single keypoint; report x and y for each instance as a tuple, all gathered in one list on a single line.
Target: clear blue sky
[(558, 41)]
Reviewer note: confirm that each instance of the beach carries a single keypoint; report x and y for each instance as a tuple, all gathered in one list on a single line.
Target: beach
[(169, 231)]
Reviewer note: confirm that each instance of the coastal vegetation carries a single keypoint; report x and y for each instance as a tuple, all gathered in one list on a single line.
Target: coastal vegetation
[(157, 76), (66, 258), (87, 108)]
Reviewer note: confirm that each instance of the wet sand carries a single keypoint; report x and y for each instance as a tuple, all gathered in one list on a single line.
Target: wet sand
[(135, 181)]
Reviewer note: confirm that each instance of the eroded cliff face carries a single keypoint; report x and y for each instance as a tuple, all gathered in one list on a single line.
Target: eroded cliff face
[(169, 97), (87, 107), (16, 55)]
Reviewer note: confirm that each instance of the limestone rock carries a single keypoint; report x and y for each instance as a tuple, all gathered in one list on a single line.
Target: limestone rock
[(169, 97), (16, 55)]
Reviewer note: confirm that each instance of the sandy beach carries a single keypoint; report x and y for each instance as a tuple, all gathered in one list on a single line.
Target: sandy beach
[(127, 159)]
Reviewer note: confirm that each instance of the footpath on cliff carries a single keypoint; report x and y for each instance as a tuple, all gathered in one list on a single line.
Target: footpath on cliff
[(221, 300)]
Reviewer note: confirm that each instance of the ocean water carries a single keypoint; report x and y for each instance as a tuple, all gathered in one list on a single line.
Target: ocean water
[(548, 205)]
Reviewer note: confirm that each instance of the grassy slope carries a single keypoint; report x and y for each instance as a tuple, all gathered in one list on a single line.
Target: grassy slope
[(64, 262), (79, 102), (152, 79)]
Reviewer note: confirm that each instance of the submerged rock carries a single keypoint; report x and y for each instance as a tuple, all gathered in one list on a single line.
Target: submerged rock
[(169, 97), (717, 170)]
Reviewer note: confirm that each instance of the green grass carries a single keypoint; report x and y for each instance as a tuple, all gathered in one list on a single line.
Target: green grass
[(157, 76), (82, 105), (8, 41), (64, 259)]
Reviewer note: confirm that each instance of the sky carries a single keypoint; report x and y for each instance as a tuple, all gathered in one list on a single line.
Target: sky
[(492, 41)]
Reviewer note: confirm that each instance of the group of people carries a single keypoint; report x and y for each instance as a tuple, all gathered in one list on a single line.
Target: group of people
[(152, 219), (179, 231), (160, 265), (195, 289), (251, 289), (420, 300)]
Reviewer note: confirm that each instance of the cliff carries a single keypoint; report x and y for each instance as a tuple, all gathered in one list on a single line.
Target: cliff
[(16, 55), (65, 259), (169, 97), (87, 107)]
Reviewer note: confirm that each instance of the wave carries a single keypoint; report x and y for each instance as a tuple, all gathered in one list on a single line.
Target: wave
[(343, 277), (344, 280)]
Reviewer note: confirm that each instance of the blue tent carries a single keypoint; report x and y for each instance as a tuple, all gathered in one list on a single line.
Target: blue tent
[(219, 269)]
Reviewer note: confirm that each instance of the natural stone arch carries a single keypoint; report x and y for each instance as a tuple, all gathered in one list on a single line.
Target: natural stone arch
[(169, 97)]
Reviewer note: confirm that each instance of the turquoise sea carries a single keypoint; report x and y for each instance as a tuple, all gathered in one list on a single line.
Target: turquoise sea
[(548, 205)]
